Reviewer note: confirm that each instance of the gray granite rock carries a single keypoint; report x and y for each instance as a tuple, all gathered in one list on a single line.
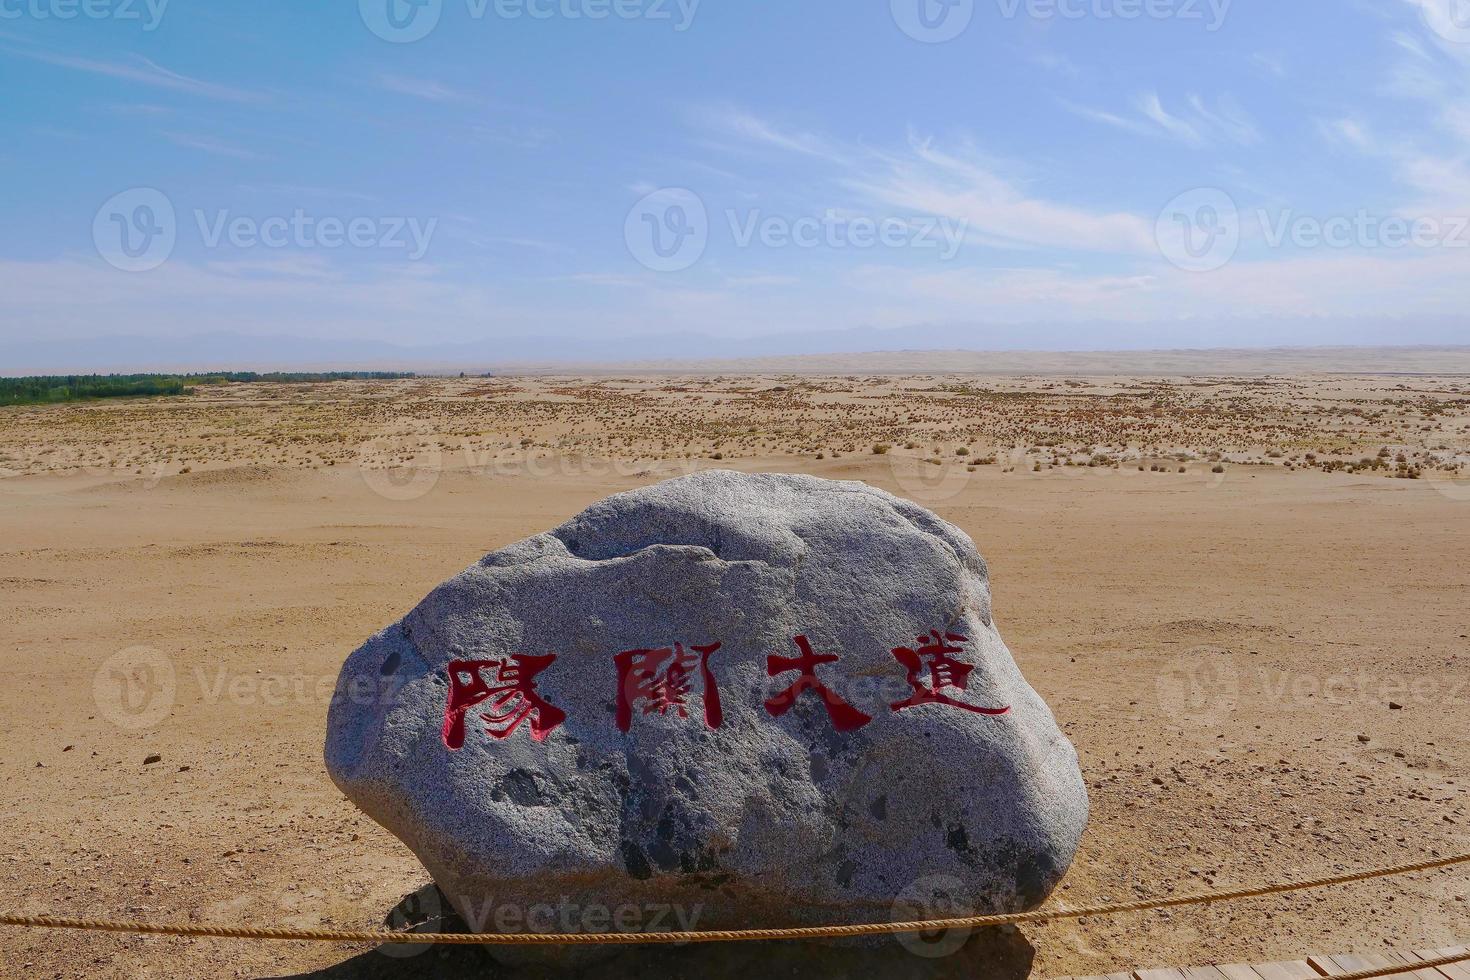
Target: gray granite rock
[(695, 787)]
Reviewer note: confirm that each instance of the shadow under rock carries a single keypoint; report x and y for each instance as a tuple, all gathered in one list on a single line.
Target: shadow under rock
[(990, 954)]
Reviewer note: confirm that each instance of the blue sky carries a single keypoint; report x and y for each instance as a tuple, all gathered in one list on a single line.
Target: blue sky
[(1049, 173)]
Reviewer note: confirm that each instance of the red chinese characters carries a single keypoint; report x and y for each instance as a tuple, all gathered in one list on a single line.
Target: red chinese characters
[(931, 669), (510, 692), (845, 718), (664, 680), (661, 679)]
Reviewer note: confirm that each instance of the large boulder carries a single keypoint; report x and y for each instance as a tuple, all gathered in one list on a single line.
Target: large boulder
[(725, 700)]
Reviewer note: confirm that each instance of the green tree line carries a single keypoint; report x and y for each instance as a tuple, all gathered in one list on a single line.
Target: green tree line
[(44, 389)]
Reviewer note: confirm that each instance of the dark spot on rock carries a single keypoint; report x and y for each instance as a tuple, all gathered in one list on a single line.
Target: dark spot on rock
[(664, 850), (1036, 873), (619, 778), (696, 861), (391, 664), (844, 873), (635, 861), (518, 786), (958, 840), (879, 808)]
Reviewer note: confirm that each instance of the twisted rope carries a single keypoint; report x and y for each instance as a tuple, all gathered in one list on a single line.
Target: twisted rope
[(1388, 971), (723, 935)]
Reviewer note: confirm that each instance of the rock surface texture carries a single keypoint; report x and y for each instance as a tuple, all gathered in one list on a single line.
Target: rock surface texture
[(726, 700)]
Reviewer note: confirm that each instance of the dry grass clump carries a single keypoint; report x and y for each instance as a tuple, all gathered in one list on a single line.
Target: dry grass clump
[(1389, 429)]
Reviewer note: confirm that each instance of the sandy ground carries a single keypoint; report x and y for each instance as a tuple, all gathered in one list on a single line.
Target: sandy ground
[(1224, 648)]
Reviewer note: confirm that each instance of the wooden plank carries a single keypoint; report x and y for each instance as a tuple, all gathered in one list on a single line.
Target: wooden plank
[(1287, 970), (1353, 962), (1455, 971), (1410, 958), (1239, 971), (1312, 968), (1242, 971), (1323, 964)]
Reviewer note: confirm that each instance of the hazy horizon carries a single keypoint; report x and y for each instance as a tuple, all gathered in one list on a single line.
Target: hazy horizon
[(669, 355)]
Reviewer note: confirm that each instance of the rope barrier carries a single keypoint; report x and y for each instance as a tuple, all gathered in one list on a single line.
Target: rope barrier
[(1389, 971), (718, 935)]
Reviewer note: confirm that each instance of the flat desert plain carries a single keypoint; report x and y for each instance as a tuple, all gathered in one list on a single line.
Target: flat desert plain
[(1247, 600)]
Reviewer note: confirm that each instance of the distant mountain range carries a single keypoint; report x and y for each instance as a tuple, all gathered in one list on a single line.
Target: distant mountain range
[(1153, 349)]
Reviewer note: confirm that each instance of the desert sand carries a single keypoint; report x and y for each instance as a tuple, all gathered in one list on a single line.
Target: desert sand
[(1246, 599)]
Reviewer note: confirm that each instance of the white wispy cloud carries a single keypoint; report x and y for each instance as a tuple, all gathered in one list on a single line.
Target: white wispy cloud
[(1329, 287), (309, 191), (766, 279), (1269, 63), (1057, 62), (422, 88), (746, 127), (1196, 123), (142, 71), (131, 109), (519, 137), (1430, 150), (534, 244), (963, 184), (1353, 132), (210, 144)]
